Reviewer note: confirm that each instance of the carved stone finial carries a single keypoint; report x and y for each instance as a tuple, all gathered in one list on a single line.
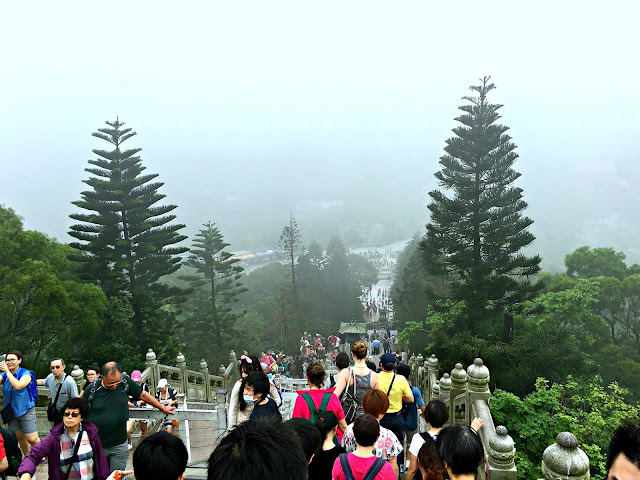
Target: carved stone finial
[(433, 362), (221, 370), (203, 365), (232, 357), (445, 387), (420, 359), (458, 377), (565, 460), (151, 356), (77, 373), (478, 376), (180, 359), (501, 449)]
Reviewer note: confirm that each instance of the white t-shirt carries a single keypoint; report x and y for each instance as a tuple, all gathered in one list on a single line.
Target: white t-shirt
[(417, 441)]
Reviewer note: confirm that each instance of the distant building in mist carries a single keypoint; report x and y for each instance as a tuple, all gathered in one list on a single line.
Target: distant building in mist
[(309, 209)]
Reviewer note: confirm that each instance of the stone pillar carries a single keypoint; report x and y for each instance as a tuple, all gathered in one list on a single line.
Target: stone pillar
[(221, 413), (433, 372), (435, 390), (500, 455), (478, 377), (445, 391), (458, 387), (152, 363), (78, 376), (564, 459), (234, 376), (181, 363), (204, 369)]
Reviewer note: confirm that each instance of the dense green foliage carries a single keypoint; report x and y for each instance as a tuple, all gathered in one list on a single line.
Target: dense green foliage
[(211, 309), (587, 409), (126, 241), (44, 307), (475, 235)]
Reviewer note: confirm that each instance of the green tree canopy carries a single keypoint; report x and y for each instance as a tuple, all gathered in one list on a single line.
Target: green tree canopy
[(477, 232), (127, 241), (585, 262)]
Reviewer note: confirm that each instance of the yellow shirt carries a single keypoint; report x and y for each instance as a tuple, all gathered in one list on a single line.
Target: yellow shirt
[(400, 388)]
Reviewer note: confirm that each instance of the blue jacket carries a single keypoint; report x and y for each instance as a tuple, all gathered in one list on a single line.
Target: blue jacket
[(21, 401)]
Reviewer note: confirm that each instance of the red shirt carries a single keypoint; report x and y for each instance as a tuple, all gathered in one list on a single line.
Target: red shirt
[(2, 453), (301, 409), (360, 466)]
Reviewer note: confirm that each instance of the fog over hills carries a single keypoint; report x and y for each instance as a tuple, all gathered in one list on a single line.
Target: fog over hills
[(335, 112)]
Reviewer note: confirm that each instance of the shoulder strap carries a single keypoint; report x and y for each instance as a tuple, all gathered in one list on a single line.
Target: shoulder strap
[(75, 454), (375, 468), (310, 404), (64, 377), (391, 384), (346, 468), (93, 388), (325, 401)]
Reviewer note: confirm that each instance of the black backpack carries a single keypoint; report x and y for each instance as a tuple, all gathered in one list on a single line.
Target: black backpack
[(13, 452), (97, 383)]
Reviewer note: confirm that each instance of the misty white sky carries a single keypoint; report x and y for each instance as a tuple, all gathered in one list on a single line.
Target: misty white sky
[(265, 96)]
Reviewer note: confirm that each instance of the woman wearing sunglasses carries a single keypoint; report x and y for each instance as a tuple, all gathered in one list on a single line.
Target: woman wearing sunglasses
[(73, 448)]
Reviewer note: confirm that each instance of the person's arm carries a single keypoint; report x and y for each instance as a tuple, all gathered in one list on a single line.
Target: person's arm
[(413, 467), (234, 406), (18, 384), (375, 381), (148, 399), (476, 424), (341, 383), (394, 463), (407, 396), (40, 382), (342, 425), (38, 451)]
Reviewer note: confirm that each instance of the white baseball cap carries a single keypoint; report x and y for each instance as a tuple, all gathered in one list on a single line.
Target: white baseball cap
[(162, 383)]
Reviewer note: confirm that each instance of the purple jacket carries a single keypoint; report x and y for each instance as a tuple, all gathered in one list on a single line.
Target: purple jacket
[(49, 447)]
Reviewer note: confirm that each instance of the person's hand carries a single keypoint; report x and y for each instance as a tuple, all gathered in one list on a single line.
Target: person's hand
[(171, 408), (476, 424), (121, 473), (4, 367)]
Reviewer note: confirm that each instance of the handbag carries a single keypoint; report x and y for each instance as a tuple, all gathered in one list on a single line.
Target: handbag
[(52, 411), (7, 413), (349, 401)]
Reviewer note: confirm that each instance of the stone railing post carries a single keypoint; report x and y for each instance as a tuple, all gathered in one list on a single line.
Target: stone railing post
[(445, 394), (78, 376), (152, 363), (500, 455), (181, 363), (564, 459), (458, 387), (435, 390), (433, 372), (221, 413), (204, 369), (232, 374)]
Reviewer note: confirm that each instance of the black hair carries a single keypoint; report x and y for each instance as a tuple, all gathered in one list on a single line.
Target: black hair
[(460, 448), (625, 440), (366, 430), (96, 369), (260, 383), (388, 367), (56, 359), (78, 403), (261, 449), (110, 368), (248, 367), (308, 435), (436, 413), (161, 456), (342, 360), (326, 422), (370, 365), (404, 370)]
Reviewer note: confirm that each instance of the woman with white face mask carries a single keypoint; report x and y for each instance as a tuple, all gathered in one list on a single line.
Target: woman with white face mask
[(256, 391)]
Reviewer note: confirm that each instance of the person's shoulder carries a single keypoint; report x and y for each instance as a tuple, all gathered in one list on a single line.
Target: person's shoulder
[(387, 472)]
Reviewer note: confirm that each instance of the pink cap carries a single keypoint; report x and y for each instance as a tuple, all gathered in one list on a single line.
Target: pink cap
[(136, 375)]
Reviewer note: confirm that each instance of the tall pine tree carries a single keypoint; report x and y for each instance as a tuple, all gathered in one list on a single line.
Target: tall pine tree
[(127, 242), (477, 232), (211, 310)]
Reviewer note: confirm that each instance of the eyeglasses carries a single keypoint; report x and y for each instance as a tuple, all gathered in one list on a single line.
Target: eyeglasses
[(113, 384), (11, 360), (56, 367), (71, 414)]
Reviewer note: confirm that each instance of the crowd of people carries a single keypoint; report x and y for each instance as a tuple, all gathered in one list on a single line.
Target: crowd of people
[(352, 430)]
